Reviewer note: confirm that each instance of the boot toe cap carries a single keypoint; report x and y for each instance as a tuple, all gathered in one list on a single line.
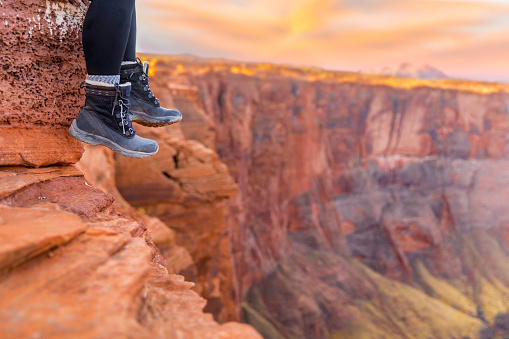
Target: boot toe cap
[(173, 114), (147, 145)]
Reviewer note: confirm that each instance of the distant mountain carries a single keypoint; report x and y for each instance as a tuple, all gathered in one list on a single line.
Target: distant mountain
[(407, 70)]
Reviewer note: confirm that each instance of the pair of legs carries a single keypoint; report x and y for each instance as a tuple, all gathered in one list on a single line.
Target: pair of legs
[(109, 36), (117, 88)]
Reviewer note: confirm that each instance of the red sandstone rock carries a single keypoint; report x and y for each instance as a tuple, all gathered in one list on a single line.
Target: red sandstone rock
[(71, 268), (43, 66), (199, 126), (333, 164), (193, 324), (11, 181), (186, 186), (25, 234), (303, 152), (82, 270), (38, 147), (98, 165)]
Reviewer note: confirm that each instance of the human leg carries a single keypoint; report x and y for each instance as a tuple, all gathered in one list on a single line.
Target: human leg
[(145, 107), (130, 50), (106, 32), (105, 118)]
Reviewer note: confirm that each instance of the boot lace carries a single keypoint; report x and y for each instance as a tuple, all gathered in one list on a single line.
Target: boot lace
[(144, 80), (123, 114)]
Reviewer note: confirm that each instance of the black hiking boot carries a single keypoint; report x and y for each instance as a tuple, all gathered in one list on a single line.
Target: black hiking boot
[(104, 120), (145, 108)]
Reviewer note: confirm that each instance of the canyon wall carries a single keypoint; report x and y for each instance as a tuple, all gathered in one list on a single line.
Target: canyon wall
[(187, 187), (72, 266), (77, 261), (367, 205)]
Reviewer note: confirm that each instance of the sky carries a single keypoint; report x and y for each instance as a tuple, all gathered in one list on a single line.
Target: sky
[(464, 39)]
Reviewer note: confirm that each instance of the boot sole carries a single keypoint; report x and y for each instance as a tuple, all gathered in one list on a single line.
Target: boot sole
[(93, 139), (143, 119)]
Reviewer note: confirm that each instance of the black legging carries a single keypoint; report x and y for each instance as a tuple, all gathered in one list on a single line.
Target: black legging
[(109, 35)]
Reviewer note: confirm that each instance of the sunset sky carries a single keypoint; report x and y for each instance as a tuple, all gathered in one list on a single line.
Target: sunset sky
[(465, 39)]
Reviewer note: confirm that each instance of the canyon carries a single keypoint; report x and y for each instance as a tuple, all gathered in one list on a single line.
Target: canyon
[(306, 203), (367, 206)]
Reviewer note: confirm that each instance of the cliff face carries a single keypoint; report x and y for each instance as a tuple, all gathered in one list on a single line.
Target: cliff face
[(366, 206), (366, 203), (70, 265), (42, 67), (187, 187), (75, 260)]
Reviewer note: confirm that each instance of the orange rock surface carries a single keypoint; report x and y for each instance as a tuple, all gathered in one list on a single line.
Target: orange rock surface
[(43, 65), (71, 265), (187, 187), (22, 146), (337, 204)]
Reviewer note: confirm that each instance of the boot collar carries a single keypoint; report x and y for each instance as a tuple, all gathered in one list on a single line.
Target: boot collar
[(130, 67), (100, 88)]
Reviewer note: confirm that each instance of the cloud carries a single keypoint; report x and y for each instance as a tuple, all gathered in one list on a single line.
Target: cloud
[(347, 34)]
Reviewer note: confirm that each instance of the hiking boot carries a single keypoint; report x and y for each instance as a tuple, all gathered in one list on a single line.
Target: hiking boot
[(145, 108), (104, 120)]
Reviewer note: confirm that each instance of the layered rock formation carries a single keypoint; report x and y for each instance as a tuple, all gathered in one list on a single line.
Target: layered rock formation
[(367, 205), (42, 67), (187, 187), (72, 266)]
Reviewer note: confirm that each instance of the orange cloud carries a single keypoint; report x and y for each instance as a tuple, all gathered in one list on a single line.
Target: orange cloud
[(347, 34)]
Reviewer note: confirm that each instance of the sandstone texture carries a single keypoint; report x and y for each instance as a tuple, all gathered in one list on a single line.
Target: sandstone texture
[(196, 211), (72, 267), (98, 166), (42, 67), (187, 187), (367, 206), (308, 203), (77, 261)]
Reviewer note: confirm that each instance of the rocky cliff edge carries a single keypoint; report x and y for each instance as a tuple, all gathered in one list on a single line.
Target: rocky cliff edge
[(71, 265)]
